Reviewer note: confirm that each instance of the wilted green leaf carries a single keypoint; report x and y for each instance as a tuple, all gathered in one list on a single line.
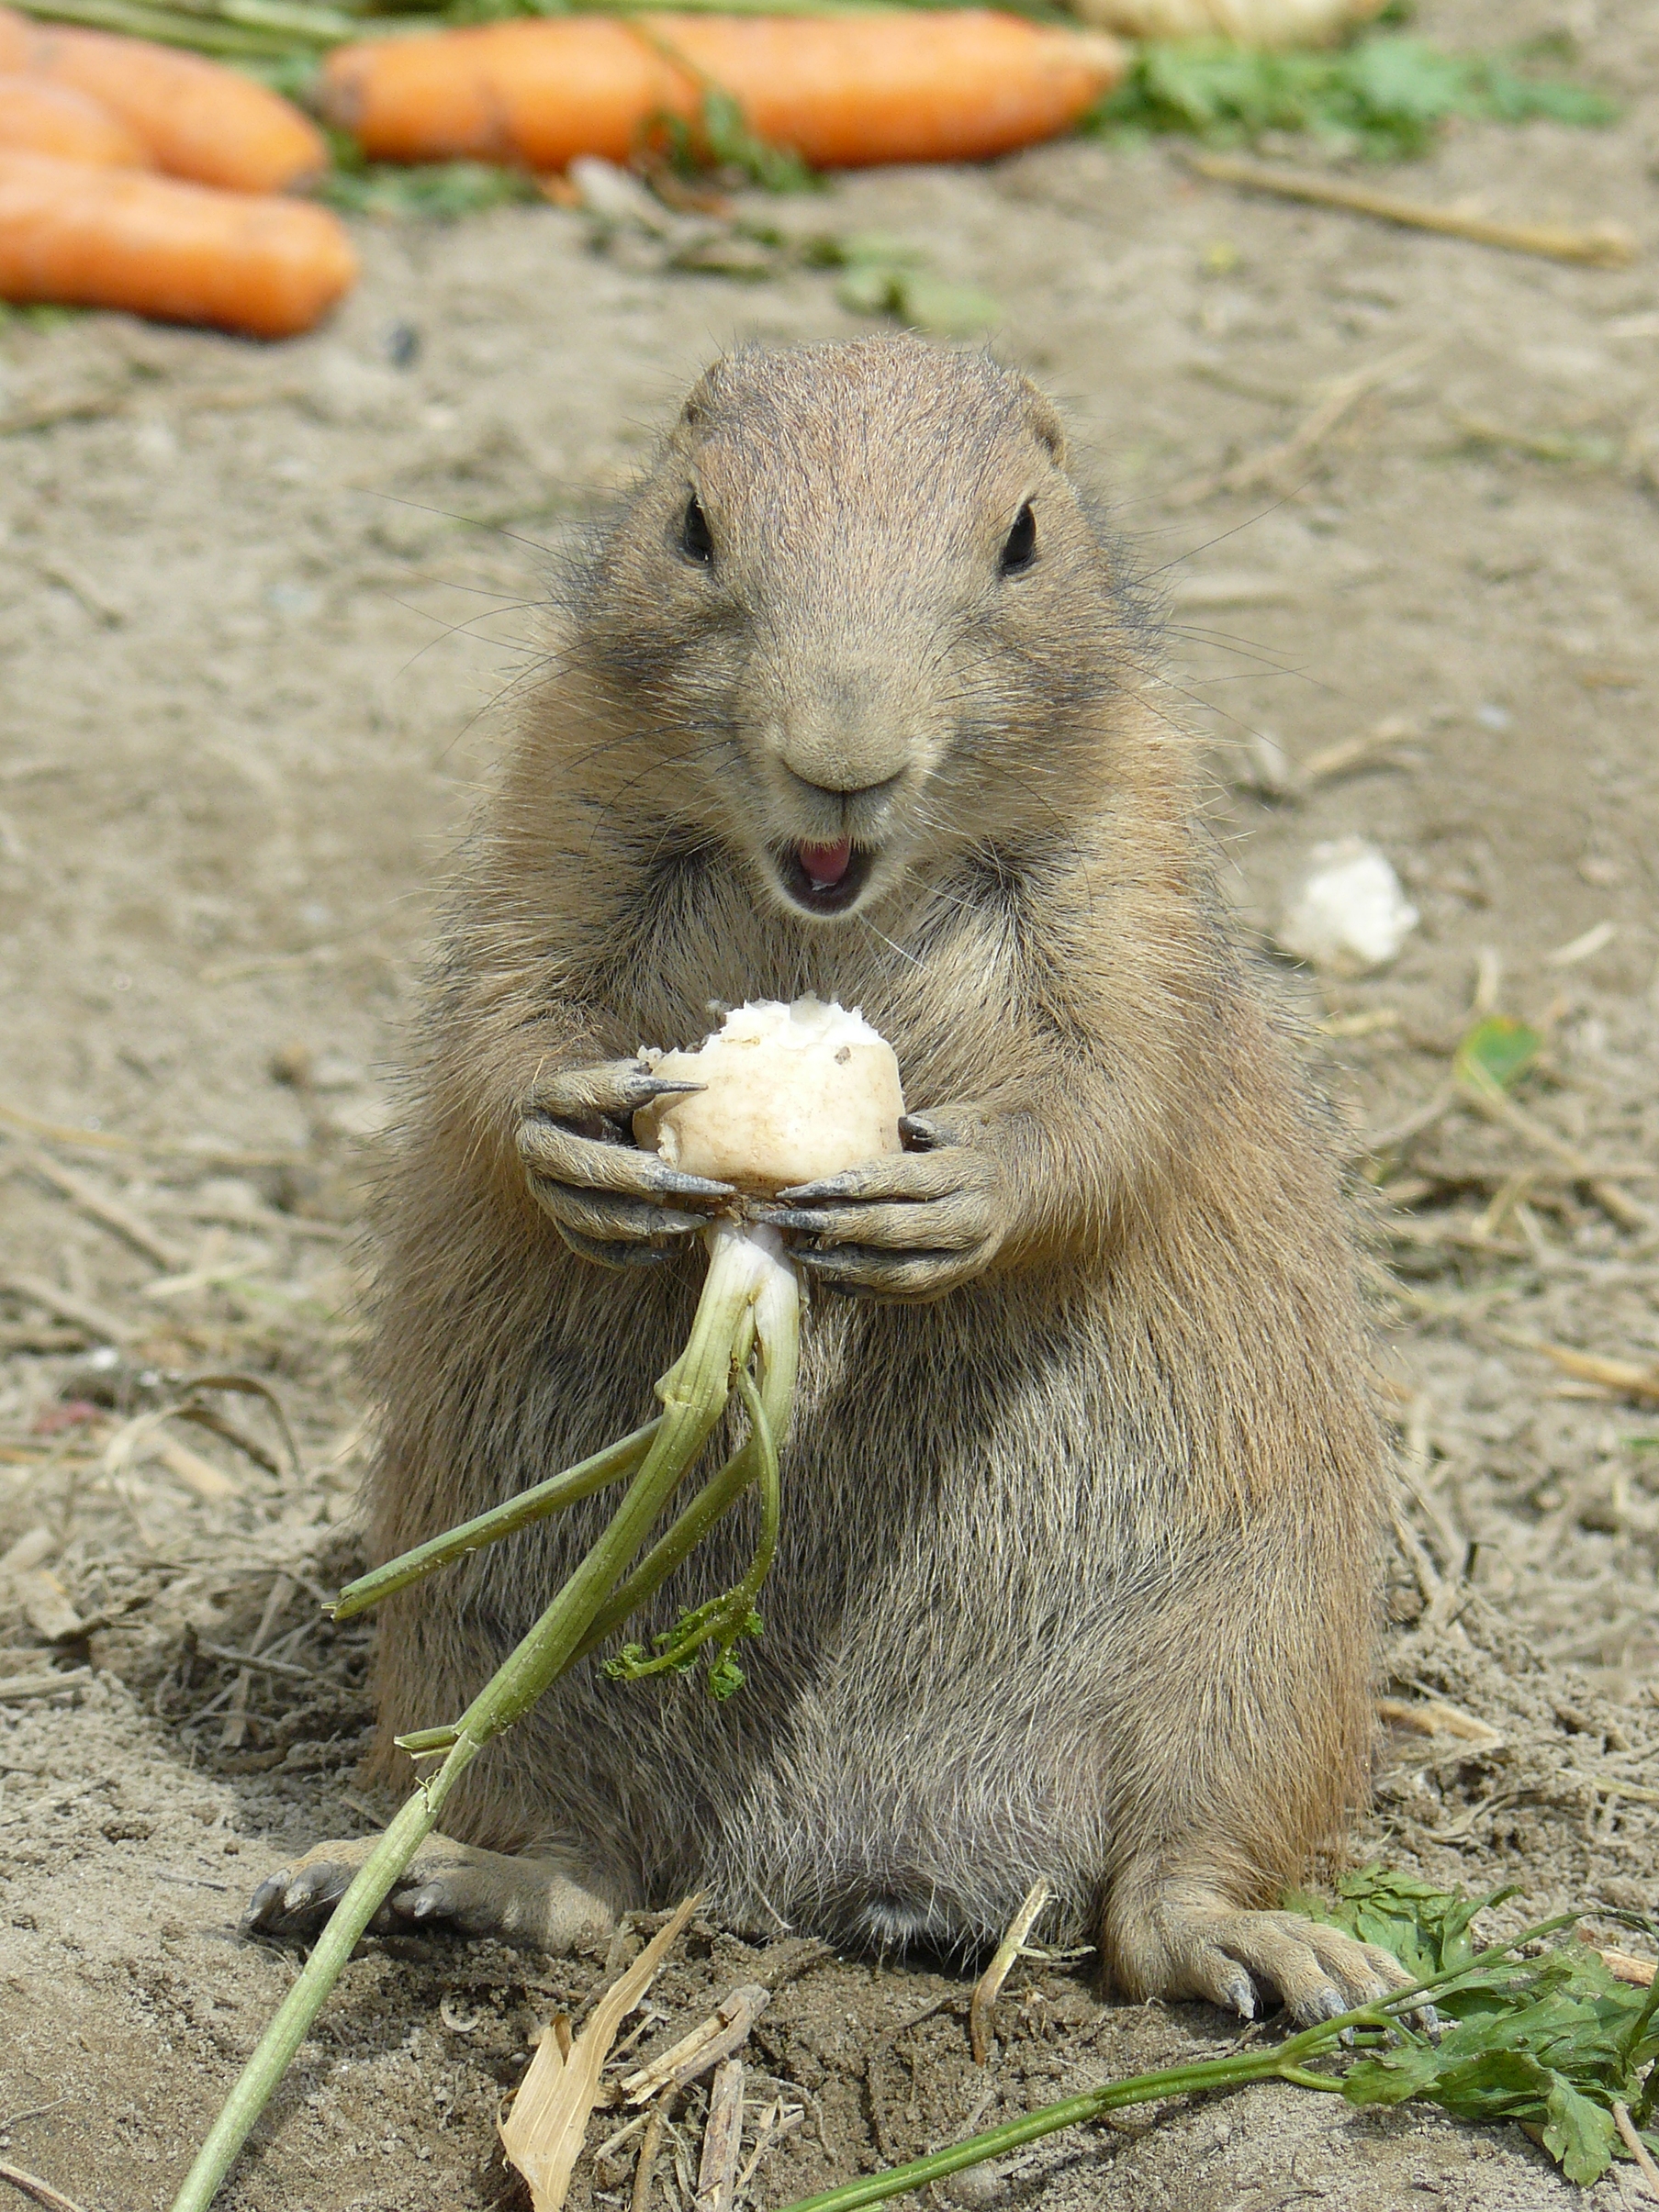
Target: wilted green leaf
[(1550, 2041), (1425, 1929), (871, 289), (862, 250), (1578, 2135), (720, 138), (1496, 1053), (924, 302)]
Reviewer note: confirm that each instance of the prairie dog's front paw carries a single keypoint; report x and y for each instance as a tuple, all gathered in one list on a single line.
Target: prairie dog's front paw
[(608, 1200), (911, 1224), (1179, 1948), (479, 1893)]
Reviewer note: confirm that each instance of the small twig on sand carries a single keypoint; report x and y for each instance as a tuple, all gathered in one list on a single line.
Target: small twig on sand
[(1281, 464), (1424, 1572), (29, 2185), (1637, 2148), (1417, 1123), (276, 1605), (80, 1311), (722, 2141), (1624, 1966), (645, 2171), (779, 2123), (981, 2011), (1351, 753), (210, 1159), (1498, 1106), (1604, 245), (711, 2041), (1622, 1376), (792, 1965), (99, 1206)]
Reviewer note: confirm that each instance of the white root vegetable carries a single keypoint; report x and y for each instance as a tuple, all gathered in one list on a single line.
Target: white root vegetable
[(1251, 22), (791, 1093)]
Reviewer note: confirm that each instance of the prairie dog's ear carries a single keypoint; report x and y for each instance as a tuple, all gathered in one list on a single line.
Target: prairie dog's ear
[(693, 414), (1046, 425), (700, 400), (723, 376)]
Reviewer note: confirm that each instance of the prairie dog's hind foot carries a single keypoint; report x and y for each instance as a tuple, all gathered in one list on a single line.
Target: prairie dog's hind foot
[(523, 1901), (1181, 1942)]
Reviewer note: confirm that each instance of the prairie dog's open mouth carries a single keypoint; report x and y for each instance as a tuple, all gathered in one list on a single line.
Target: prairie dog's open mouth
[(824, 878)]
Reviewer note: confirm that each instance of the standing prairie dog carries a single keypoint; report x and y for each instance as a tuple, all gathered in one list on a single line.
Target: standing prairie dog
[(1082, 1497)]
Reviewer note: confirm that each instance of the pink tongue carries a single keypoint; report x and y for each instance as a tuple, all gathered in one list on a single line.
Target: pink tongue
[(826, 864)]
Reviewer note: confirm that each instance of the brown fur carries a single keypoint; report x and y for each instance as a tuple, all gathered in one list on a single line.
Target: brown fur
[(1077, 1566)]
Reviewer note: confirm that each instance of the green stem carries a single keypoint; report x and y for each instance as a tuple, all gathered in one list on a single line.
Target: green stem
[(772, 1500), (369, 1892), (1283, 2062), (693, 1391), (715, 1498), (1138, 2089), (725, 1619), (777, 1329), (550, 1497)]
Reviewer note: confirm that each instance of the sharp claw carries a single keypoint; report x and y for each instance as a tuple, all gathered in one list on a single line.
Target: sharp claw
[(309, 1892), (618, 1254), (1330, 2002), (670, 1223), (830, 1186), (844, 1287), (267, 1894), (675, 1185), (1241, 1996), (858, 1270), (661, 1087), (923, 1133), (829, 1262), (787, 1217)]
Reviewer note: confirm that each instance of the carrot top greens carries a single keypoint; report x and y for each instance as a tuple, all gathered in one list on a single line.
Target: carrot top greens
[(1386, 95)]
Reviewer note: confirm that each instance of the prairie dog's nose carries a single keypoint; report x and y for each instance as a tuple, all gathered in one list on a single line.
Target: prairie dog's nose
[(846, 730)]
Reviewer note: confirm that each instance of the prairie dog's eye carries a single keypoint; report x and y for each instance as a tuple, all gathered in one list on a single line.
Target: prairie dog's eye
[(1019, 548), (696, 540)]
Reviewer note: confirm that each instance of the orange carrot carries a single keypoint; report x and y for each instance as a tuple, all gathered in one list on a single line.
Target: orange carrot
[(198, 119), (116, 238), (846, 92), (37, 116)]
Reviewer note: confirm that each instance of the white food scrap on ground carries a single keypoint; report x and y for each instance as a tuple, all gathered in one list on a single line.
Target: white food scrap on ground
[(1348, 913)]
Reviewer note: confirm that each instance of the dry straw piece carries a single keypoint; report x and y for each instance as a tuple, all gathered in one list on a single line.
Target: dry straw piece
[(1603, 246), (544, 2132)]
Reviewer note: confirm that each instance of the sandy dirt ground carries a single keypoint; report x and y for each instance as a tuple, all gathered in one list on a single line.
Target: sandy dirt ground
[(262, 612)]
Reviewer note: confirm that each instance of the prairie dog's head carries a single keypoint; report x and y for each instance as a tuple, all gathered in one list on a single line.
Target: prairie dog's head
[(858, 609)]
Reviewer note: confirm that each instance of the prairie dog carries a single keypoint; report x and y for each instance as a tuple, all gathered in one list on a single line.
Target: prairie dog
[(1084, 1495)]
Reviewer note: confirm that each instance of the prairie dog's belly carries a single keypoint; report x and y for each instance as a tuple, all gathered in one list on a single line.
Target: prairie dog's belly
[(926, 1822), (974, 1554)]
